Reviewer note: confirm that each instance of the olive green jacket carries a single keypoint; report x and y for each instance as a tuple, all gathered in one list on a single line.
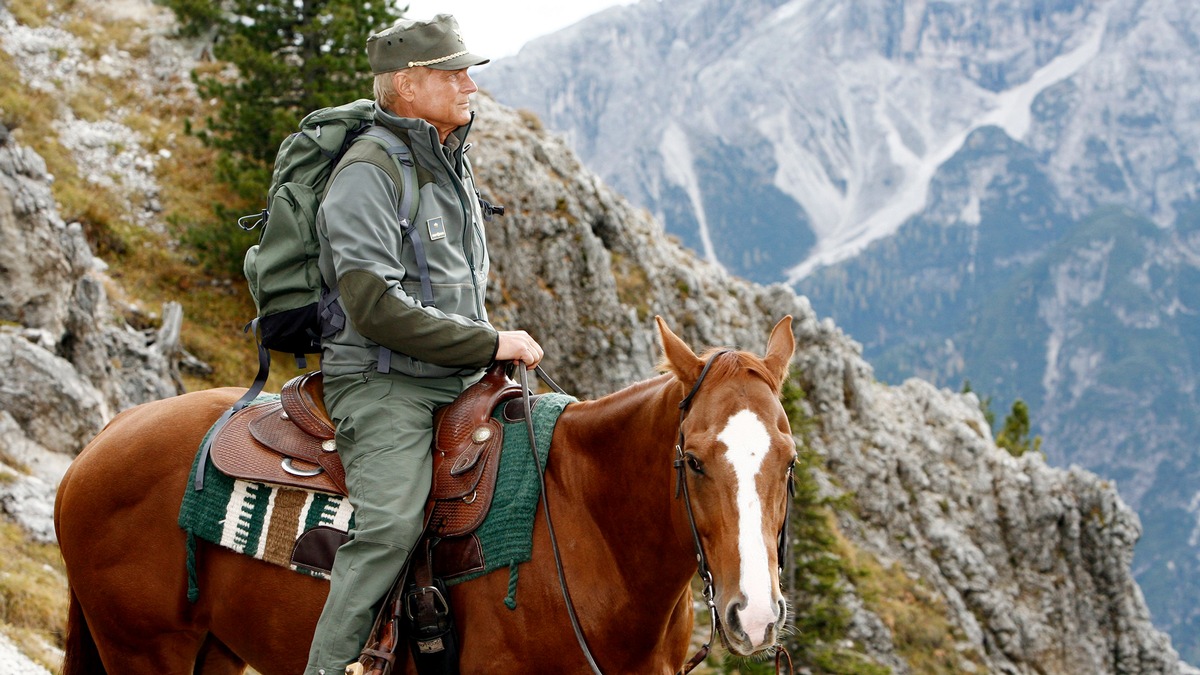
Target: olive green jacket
[(366, 258)]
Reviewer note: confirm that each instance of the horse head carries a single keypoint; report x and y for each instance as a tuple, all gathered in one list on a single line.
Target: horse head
[(735, 454)]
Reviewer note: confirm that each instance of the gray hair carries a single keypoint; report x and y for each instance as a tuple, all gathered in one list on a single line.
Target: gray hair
[(385, 84), (385, 89)]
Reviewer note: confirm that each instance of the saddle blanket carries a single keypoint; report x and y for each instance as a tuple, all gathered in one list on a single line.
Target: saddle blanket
[(265, 521)]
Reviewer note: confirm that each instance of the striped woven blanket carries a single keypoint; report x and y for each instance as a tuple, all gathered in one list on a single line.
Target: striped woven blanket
[(264, 521)]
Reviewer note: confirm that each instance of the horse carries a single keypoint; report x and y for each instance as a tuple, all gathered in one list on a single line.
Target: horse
[(709, 426)]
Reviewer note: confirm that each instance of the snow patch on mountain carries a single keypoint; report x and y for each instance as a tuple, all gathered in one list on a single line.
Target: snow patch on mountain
[(844, 233), (680, 169)]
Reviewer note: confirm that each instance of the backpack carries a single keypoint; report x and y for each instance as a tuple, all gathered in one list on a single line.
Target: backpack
[(281, 269)]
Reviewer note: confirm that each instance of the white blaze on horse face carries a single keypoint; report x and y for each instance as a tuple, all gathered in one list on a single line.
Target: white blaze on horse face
[(747, 442)]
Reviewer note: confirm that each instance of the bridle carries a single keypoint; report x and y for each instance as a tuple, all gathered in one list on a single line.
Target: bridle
[(681, 488)]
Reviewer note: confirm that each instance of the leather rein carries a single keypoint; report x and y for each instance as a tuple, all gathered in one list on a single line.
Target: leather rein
[(681, 488)]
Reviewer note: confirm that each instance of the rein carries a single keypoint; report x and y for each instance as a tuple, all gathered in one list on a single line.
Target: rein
[(562, 579)]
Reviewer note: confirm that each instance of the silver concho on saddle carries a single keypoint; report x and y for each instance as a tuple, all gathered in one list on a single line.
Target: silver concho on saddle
[(291, 442)]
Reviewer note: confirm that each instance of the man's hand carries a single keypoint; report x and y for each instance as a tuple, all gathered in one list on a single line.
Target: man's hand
[(517, 345)]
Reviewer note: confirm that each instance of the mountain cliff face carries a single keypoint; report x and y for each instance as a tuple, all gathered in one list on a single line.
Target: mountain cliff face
[(71, 360), (1028, 565), (994, 192), (825, 121)]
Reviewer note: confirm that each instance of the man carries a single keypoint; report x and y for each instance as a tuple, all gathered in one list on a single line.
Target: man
[(389, 359)]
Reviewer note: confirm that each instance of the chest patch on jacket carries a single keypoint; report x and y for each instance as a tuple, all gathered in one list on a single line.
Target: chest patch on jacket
[(437, 228)]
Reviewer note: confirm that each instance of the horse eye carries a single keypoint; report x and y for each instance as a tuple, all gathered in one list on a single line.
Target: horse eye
[(694, 464)]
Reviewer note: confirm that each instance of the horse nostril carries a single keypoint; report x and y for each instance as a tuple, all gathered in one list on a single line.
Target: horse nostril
[(733, 619), (780, 619)]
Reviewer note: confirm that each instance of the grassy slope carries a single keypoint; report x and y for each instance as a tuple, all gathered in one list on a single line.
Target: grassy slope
[(150, 268)]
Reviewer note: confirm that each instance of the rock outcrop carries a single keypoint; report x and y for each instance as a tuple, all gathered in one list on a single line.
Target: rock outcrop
[(1033, 562), (71, 362)]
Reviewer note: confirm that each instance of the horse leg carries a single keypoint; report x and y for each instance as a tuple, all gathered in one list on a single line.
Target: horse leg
[(173, 654), (82, 657)]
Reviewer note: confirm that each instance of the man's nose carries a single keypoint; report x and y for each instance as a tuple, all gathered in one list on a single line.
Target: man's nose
[(469, 86)]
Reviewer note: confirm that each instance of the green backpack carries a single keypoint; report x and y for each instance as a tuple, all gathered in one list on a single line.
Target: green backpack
[(282, 268)]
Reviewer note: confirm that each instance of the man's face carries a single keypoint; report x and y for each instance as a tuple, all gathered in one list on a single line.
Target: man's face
[(443, 98)]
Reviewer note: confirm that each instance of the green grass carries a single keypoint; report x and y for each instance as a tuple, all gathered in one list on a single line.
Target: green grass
[(33, 599)]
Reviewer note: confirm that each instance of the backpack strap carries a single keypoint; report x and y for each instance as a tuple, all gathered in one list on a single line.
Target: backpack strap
[(407, 211), (260, 381), (403, 172)]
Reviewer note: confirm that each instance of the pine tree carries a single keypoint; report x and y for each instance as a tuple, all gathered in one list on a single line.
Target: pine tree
[(1014, 435), (290, 57)]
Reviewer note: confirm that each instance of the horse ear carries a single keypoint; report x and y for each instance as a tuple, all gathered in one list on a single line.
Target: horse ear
[(679, 357), (780, 347)]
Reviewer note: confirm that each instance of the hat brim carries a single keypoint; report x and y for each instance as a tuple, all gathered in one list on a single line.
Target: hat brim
[(460, 62)]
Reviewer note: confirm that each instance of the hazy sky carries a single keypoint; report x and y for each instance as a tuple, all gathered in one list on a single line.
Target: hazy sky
[(496, 28)]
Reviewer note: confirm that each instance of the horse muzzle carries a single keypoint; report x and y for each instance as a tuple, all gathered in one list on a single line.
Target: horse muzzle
[(751, 629)]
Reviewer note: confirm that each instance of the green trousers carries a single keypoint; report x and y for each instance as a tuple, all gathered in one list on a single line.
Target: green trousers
[(384, 432)]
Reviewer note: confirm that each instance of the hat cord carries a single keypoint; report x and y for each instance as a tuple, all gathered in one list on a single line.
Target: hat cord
[(414, 64)]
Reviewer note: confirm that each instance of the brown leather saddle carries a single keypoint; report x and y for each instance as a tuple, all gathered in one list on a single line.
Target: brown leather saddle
[(291, 443)]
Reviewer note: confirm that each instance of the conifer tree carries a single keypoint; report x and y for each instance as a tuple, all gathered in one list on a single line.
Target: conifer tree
[(290, 57), (1014, 435)]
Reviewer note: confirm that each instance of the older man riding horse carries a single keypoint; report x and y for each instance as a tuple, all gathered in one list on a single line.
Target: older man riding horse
[(698, 458)]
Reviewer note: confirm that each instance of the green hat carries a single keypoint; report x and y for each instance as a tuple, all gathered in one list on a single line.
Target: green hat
[(435, 43)]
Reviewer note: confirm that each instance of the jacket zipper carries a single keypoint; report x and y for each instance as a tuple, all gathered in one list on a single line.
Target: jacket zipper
[(467, 240)]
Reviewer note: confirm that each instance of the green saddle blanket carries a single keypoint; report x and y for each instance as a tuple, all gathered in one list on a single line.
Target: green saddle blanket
[(265, 521)]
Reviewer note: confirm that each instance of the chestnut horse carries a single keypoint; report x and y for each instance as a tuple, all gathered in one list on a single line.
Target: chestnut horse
[(625, 536)]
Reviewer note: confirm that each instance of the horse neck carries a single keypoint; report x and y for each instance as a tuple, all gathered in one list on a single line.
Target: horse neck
[(622, 449)]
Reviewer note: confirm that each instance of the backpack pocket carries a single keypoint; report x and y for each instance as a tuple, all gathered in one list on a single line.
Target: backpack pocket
[(282, 269)]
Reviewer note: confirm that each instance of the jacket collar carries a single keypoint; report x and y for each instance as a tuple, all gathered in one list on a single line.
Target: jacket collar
[(418, 131)]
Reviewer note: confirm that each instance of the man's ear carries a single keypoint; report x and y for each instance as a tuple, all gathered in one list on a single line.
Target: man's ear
[(405, 86)]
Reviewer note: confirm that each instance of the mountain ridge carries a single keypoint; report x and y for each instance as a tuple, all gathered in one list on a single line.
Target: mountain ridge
[(922, 171), (856, 164)]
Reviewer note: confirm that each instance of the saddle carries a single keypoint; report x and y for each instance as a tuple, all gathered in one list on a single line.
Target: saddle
[(291, 443)]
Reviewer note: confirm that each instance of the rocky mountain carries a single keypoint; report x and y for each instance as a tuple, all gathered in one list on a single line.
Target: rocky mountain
[(778, 137), (1026, 568), (994, 192), (71, 359)]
